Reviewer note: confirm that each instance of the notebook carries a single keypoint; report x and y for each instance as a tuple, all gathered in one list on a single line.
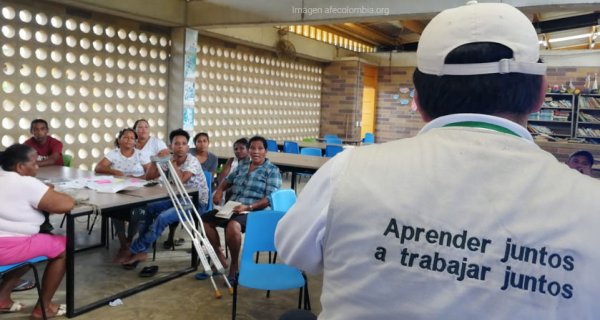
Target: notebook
[(226, 211)]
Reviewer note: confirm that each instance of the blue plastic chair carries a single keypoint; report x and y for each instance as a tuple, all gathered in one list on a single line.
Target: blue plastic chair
[(291, 147), (315, 152), (369, 138), (283, 199), (330, 136), (272, 146), (333, 141), (260, 236), (31, 263), (332, 149)]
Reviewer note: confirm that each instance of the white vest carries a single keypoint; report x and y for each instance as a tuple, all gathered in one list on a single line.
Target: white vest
[(422, 232)]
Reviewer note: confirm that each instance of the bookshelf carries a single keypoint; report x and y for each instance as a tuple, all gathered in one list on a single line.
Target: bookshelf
[(555, 117), (587, 123)]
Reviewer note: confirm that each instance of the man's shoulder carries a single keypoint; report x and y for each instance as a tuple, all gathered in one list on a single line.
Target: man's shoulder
[(53, 141), (30, 142)]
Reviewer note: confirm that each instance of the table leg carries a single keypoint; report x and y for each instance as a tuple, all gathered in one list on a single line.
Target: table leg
[(294, 180)]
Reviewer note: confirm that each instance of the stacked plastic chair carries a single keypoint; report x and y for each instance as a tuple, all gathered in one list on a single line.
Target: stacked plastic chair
[(291, 147), (369, 138), (333, 149), (272, 146)]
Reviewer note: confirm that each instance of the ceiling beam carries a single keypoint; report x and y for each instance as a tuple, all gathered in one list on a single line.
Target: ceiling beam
[(335, 29), (586, 20), (581, 46), (415, 26), (363, 31)]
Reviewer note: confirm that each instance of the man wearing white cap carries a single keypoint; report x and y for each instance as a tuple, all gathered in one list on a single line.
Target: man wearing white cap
[(470, 219)]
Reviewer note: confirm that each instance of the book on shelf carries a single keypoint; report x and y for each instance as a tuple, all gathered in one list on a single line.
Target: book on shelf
[(588, 132), (585, 117), (588, 102), (549, 103), (537, 129)]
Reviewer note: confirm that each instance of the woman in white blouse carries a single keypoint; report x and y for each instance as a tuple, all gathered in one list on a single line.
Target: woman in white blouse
[(126, 160), (148, 144), (23, 199)]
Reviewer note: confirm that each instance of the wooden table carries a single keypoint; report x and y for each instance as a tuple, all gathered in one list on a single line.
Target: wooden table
[(293, 163), (112, 204)]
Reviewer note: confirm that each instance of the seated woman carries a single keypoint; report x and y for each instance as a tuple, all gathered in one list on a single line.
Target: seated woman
[(240, 151), (207, 159), (251, 183), (20, 219), (152, 146), (125, 160)]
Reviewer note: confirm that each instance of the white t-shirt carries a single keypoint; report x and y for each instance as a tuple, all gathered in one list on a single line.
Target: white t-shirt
[(19, 215), (153, 146), (419, 228), (132, 166)]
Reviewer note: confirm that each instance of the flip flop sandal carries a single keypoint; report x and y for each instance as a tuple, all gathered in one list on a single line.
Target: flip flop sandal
[(179, 242), (24, 285), (130, 266), (61, 311), (148, 271), (16, 306)]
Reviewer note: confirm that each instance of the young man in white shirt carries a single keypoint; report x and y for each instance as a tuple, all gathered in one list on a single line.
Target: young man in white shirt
[(162, 213), (468, 220)]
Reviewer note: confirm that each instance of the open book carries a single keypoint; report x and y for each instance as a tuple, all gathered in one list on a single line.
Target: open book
[(226, 211)]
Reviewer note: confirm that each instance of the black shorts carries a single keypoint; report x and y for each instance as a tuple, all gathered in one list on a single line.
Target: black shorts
[(220, 222)]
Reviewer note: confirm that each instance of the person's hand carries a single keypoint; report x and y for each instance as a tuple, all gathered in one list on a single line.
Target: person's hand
[(241, 209), (217, 197), (163, 153)]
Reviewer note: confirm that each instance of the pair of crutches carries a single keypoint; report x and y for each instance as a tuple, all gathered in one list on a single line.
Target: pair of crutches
[(186, 212)]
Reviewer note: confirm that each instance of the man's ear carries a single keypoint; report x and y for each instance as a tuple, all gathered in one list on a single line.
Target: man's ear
[(424, 116)]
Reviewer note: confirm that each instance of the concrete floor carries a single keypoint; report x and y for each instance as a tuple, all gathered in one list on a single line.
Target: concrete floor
[(181, 298)]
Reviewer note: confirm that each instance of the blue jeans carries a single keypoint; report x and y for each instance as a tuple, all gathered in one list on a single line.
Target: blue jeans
[(163, 213)]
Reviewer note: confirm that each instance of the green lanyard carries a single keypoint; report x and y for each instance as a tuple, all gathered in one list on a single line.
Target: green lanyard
[(485, 125)]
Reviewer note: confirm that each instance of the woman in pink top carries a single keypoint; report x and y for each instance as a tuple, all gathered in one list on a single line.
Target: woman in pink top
[(20, 219)]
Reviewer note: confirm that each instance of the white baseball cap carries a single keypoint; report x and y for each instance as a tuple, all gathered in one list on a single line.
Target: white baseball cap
[(479, 22)]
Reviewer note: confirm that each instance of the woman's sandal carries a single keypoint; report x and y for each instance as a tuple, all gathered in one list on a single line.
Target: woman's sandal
[(24, 285), (16, 306), (148, 271), (61, 311)]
